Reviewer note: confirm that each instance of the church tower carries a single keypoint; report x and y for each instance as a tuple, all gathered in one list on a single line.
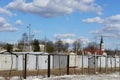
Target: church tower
[(102, 44)]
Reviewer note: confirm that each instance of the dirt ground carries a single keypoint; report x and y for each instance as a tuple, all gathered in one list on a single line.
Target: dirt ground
[(57, 72)]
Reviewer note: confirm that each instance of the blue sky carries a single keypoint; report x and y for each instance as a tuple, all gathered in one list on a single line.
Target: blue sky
[(68, 20)]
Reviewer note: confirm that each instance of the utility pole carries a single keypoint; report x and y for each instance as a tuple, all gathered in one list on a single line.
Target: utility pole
[(29, 36)]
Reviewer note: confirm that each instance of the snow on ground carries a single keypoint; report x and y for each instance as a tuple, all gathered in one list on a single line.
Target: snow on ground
[(86, 77), (115, 76)]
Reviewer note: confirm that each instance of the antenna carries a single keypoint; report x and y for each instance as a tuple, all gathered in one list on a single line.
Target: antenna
[(29, 36)]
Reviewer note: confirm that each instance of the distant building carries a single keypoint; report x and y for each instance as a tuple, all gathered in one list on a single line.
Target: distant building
[(16, 49), (42, 47), (100, 51), (1, 49)]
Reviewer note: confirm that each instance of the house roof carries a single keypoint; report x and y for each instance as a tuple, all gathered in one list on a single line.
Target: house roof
[(99, 51)]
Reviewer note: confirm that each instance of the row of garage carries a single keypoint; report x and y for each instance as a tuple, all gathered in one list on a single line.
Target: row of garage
[(36, 61)]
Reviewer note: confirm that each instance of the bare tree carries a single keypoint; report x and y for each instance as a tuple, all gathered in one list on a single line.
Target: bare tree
[(59, 46), (93, 46), (77, 46), (66, 46)]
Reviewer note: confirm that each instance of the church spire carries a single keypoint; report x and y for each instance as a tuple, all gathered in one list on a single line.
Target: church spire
[(102, 44), (101, 40)]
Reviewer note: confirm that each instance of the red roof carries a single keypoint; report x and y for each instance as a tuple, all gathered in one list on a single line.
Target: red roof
[(100, 52)]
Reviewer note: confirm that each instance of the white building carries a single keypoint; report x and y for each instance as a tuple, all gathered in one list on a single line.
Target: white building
[(42, 47)]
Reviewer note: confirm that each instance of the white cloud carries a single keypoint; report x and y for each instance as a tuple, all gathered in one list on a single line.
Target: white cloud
[(111, 26), (68, 35), (68, 40), (5, 26), (5, 11), (94, 20), (2, 20), (41, 3), (88, 1), (83, 40), (51, 8), (19, 22)]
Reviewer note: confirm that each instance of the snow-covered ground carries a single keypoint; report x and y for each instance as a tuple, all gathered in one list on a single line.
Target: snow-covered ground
[(114, 76), (86, 77)]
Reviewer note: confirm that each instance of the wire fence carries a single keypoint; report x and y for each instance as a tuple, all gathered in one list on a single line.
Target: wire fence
[(24, 64)]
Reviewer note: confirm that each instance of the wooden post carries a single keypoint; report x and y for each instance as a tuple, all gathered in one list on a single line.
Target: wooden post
[(119, 64), (25, 67), (23, 64), (100, 64), (95, 63), (111, 63), (59, 64), (37, 62), (88, 65), (82, 63), (53, 61), (68, 61), (48, 65), (16, 62), (115, 64), (106, 64), (75, 64)]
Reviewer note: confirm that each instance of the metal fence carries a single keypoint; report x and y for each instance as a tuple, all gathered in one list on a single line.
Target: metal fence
[(25, 64)]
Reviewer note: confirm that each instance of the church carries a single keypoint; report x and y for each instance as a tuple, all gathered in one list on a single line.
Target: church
[(99, 51)]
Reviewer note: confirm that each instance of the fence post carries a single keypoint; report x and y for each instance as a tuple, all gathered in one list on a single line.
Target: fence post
[(49, 65), (25, 67), (119, 64), (100, 64), (17, 62), (59, 64), (106, 62), (82, 63), (68, 56), (95, 63), (37, 62), (111, 62), (88, 64), (115, 63)]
